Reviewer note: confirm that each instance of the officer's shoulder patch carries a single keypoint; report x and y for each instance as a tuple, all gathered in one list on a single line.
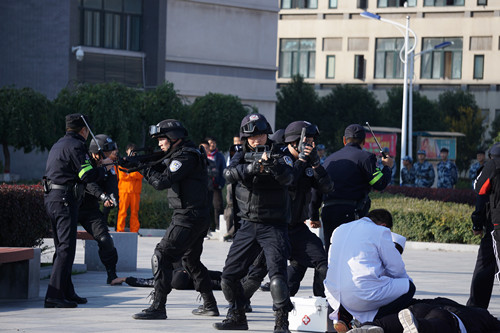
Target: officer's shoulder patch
[(309, 172), (288, 160), (175, 165)]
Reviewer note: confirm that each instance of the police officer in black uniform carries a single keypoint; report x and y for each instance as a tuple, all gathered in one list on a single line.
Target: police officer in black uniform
[(105, 191), (183, 173), (68, 169), (484, 218), (307, 248), (354, 172), (263, 202)]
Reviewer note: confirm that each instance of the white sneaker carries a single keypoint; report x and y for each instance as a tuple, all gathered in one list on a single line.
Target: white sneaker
[(408, 321), (367, 329)]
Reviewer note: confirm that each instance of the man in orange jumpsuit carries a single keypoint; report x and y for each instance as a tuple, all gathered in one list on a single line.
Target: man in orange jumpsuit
[(129, 190)]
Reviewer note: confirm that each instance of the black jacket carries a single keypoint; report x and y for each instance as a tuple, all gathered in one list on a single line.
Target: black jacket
[(184, 174), (262, 198), (108, 185)]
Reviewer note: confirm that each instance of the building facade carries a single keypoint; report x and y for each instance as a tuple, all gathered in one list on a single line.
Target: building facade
[(330, 43)]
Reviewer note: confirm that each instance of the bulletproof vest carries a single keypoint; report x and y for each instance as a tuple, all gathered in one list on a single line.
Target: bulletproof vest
[(494, 198), (191, 193)]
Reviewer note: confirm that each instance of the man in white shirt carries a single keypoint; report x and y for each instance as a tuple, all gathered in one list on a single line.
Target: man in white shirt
[(366, 274)]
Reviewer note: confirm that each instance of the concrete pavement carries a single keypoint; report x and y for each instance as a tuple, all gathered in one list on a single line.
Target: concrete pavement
[(436, 272)]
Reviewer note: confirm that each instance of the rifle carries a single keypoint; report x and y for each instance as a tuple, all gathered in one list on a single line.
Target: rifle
[(256, 156), (384, 155), (135, 162)]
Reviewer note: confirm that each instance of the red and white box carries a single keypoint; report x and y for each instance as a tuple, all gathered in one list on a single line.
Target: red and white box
[(310, 314)]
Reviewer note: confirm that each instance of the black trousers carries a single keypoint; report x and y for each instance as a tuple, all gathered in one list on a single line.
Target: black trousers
[(218, 204), (250, 239), (484, 273), (62, 210), (307, 251), (94, 222), (186, 243), (332, 217)]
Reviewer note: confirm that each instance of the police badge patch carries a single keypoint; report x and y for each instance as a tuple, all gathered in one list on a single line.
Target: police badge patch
[(309, 172), (288, 160), (175, 165)]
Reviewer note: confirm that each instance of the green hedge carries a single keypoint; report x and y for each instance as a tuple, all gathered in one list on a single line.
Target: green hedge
[(153, 210), (428, 221)]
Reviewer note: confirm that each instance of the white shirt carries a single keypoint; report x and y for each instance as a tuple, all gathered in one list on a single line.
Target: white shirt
[(365, 270)]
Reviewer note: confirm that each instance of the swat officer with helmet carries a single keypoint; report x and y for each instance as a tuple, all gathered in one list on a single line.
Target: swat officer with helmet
[(307, 248), (262, 197), (183, 173), (105, 191), (68, 169)]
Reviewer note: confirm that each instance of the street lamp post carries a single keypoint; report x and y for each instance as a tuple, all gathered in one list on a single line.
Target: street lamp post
[(410, 101), (407, 51)]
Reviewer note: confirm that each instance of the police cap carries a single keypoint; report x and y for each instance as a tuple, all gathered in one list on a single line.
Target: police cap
[(168, 128), (254, 124), (294, 130), (105, 142), (421, 152), (321, 146), (355, 131), (75, 120), (495, 150)]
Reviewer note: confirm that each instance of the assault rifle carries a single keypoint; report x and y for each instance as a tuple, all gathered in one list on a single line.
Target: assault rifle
[(256, 156), (135, 162)]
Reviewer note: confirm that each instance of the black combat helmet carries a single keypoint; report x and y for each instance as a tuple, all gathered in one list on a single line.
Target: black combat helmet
[(105, 142), (254, 124), (169, 128), (495, 150), (294, 130)]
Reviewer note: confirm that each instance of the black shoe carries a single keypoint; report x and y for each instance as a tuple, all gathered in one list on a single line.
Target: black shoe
[(235, 320), (209, 307), (111, 275), (59, 303), (248, 308), (281, 322), (151, 313), (265, 287), (77, 299)]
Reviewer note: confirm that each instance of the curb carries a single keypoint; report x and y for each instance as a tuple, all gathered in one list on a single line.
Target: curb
[(442, 247)]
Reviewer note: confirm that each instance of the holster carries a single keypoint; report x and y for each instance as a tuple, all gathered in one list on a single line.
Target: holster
[(45, 184), (78, 191)]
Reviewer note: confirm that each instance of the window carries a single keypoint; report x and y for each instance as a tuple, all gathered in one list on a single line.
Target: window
[(442, 63), (362, 4), (297, 56), (114, 24), (287, 4), (332, 4), (330, 67), (438, 3), (396, 3), (482, 2), (387, 62), (359, 67), (478, 66)]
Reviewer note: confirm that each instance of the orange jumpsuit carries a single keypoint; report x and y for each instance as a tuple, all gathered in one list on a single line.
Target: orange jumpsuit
[(129, 190)]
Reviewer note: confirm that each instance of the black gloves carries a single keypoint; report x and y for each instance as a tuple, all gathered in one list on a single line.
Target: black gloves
[(314, 158), (253, 168)]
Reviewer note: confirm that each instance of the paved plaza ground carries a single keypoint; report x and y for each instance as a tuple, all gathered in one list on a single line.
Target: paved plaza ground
[(436, 271)]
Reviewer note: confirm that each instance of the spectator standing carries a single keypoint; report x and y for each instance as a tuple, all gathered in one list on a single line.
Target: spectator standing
[(321, 152), (408, 172), (129, 189), (214, 155), (424, 171), (447, 171), (474, 168)]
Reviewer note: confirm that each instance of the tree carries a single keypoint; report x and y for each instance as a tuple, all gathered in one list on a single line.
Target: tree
[(296, 101), (345, 105), (27, 121), (215, 115)]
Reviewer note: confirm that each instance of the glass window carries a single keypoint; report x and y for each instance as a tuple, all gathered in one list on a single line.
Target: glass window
[(387, 62), (297, 56), (439, 3), (478, 66), (332, 4), (482, 2), (114, 24), (359, 67), (396, 3), (441, 63), (330, 67), (287, 4)]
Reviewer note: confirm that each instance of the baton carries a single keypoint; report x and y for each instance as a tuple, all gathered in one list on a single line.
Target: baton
[(378, 144), (94, 138)]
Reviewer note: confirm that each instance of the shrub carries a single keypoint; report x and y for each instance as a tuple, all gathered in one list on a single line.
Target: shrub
[(463, 196), (23, 216), (428, 221)]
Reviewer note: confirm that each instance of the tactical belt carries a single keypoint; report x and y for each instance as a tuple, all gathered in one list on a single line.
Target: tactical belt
[(339, 202), (60, 187)]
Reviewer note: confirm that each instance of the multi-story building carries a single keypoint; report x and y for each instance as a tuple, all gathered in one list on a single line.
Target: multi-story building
[(330, 43)]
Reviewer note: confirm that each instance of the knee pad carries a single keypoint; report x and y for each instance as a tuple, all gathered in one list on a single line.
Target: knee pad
[(106, 242), (155, 263), (279, 289), (250, 286)]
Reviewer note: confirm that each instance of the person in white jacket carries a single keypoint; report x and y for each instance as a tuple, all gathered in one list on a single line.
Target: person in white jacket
[(366, 274)]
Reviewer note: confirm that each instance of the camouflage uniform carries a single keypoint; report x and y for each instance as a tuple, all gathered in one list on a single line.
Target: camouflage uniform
[(447, 174), (473, 171), (408, 177), (424, 174)]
